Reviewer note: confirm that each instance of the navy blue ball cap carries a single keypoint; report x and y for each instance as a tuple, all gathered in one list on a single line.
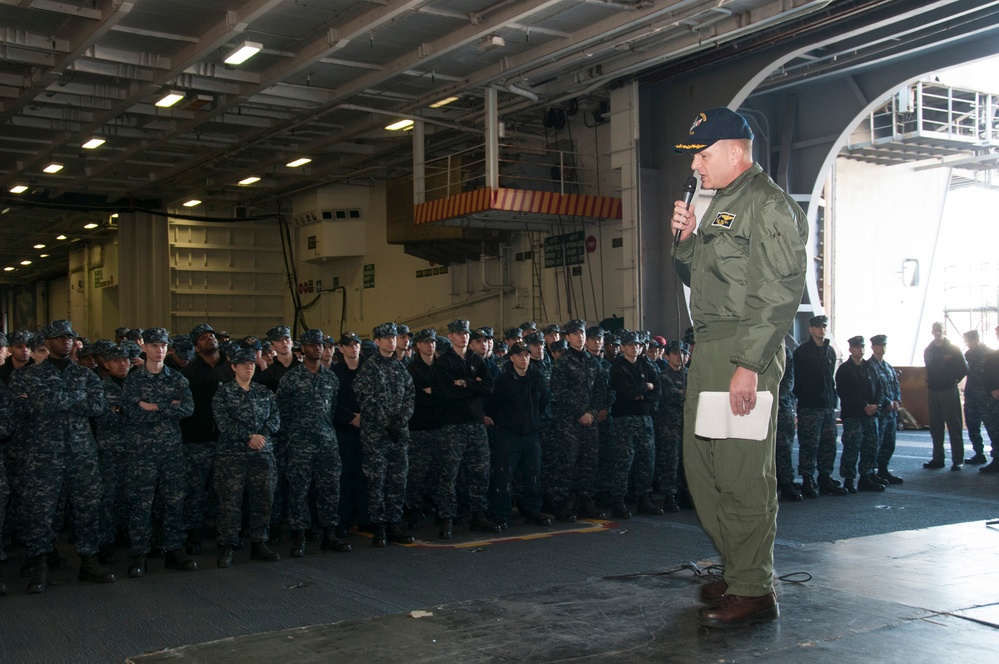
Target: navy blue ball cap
[(311, 337), (278, 332), (427, 334), (59, 328), (595, 332), (458, 325), (881, 339), (156, 335), (196, 333), (242, 356), (349, 338), (818, 321), (711, 126), (575, 325), (385, 330), (552, 329), (857, 341)]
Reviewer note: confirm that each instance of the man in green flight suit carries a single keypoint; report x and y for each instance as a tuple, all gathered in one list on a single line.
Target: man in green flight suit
[(746, 270)]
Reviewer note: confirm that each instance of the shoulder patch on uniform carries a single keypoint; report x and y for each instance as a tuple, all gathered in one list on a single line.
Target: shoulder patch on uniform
[(724, 219)]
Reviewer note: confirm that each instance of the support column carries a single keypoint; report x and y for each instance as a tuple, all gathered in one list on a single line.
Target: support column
[(144, 270), (492, 139), (624, 156)]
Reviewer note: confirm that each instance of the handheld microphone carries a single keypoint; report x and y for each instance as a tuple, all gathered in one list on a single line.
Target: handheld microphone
[(689, 188)]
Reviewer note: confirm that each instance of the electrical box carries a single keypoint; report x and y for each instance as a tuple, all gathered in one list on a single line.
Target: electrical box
[(331, 238)]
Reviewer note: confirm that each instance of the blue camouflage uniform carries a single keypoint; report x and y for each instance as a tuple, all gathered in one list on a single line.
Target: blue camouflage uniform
[(156, 455), (976, 397), (633, 438), (239, 414), (426, 444), (113, 434), (891, 392), (787, 406), (669, 452), (385, 392), (307, 401), (858, 386)]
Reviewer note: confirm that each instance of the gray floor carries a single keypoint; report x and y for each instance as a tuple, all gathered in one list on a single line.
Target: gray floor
[(891, 579)]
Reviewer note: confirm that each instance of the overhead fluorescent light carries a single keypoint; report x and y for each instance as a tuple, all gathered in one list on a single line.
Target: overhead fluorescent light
[(91, 226), (93, 143), (249, 180), (60, 237), (401, 124), (8, 269), (444, 102), (243, 52), (43, 255), (170, 98), (52, 168), (18, 189), (193, 202), (301, 161), (25, 262), (114, 215), (39, 246)]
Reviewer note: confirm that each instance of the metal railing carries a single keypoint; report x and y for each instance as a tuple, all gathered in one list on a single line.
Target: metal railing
[(522, 166)]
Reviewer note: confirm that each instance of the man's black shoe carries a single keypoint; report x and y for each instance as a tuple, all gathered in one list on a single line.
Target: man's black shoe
[(789, 492), (869, 483), (137, 567), (830, 487), (297, 544), (260, 551), (563, 513), (39, 576), (934, 464), (397, 536), (91, 571), (482, 524), (332, 543), (225, 557), (808, 488), (193, 543), (957, 466), (977, 460), (888, 477), (993, 467), (587, 510), (537, 519), (646, 506), (379, 538), (179, 561), (848, 486), (447, 528), (620, 510)]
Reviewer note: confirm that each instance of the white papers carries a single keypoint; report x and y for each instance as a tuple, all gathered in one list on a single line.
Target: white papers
[(715, 418)]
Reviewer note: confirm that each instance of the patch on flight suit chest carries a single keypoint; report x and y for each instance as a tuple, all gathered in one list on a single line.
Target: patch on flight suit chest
[(724, 219)]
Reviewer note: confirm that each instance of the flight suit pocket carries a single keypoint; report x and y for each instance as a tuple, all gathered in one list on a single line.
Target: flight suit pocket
[(779, 257)]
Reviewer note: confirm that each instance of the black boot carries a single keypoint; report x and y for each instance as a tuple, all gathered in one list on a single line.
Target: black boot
[(563, 513), (137, 567), (397, 536), (297, 543), (193, 544), (260, 551), (179, 561), (808, 487), (789, 492), (91, 571), (482, 524), (669, 503), (39, 576), (588, 510), (830, 487), (868, 483), (331, 543), (620, 510), (3, 587), (225, 557), (106, 555), (378, 538), (447, 528), (646, 506)]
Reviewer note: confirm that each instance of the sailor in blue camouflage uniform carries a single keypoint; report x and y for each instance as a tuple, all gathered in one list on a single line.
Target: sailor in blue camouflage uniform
[(636, 391), (347, 423), (463, 380), (426, 444), (113, 434), (307, 398), (156, 399), (860, 396), (976, 398), (669, 447), (579, 394), (605, 421), (55, 400), (891, 401), (787, 408), (404, 345), (247, 416), (6, 427), (385, 391)]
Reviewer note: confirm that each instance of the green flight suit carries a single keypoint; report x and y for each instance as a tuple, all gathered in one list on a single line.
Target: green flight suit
[(746, 270)]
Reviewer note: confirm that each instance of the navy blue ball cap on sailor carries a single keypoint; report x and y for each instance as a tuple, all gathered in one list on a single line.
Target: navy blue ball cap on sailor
[(111, 351), (595, 332), (385, 330), (156, 335), (242, 356), (879, 340), (58, 328), (349, 338), (427, 334), (19, 338), (403, 330), (552, 329), (200, 330), (278, 332), (559, 346), (856, 342), (536, 339), (818, 321), (311, 337), (458, 325), (711, 126), (575, 325)]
